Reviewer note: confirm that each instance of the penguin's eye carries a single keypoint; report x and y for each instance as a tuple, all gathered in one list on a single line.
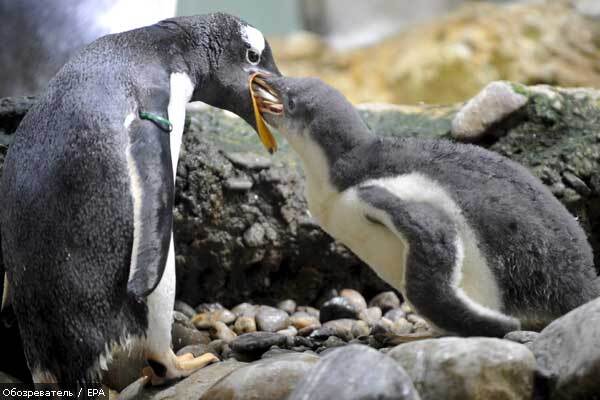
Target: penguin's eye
[(252, 56), (291, 104)]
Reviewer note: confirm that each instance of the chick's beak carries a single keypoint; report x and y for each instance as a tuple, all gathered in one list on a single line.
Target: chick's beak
[(264, 100)]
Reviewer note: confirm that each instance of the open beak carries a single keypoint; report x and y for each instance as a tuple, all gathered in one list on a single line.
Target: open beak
[(264, 100)]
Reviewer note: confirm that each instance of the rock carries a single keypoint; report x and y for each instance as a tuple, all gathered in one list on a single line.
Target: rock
[(133, 390), (360, 329), (301, 319), (182, 336), (207, 319), (494, 103), (308, 330), (568, 352), (337, 308), (244, 325), (523, 337), (184, 308), (355, 372), (331, 342), (238, 184), (194, 386), (221, 331), (395, 314), (249, 160), (255, 235), (245, 310), (124, 368), (420, 325), (269, 379), (257, 342), (309, 310), (382, 329), (468, 368), (357, 299), (385, 301), (401, 326), (371, 315), (341, 328), (271, 319), (208, 307), (290, 331), (182, 319), (406, 308), (289, 306)]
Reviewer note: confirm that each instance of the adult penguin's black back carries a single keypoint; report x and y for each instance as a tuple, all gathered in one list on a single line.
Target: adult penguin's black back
[(87, 191)]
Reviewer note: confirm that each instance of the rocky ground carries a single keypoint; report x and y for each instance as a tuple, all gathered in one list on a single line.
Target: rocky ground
[(243, 234)]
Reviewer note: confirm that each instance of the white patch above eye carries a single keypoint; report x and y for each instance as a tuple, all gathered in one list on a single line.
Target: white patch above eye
[(253, 37)]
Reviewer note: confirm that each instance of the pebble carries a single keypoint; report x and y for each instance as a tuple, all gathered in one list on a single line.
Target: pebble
[(272, 378), (360, 329), (357, 299), (394, 314), (244, 325), (257, 342), (207, 307), (301, 319), (385, 301), (238, 184), (371, 315), (522, 337), (337, 308), (255, 235), (322, 333), (308, 330), (197, 350), (248, 160), (289, 331), (184, 308), (182, 319), (331, 342), (355, 372), (382, 329), (406, 308), (220, 330), (207, 319), (419, 323), (309, 310), (245, 310), (401, 327), (289, 306), (134, 390), (271, 319), (182, 336), (341, 328)]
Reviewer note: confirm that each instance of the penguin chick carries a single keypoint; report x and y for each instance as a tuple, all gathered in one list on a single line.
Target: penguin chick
[(473, 241), (88, 189)]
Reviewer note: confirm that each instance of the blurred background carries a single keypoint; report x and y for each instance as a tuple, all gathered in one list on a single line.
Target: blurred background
[(407, 52)]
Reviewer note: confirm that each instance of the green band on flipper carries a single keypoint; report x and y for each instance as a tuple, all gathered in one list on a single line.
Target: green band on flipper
[(161, 122)]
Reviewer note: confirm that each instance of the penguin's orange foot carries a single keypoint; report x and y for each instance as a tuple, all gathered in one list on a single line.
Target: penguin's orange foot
[(178, 367)]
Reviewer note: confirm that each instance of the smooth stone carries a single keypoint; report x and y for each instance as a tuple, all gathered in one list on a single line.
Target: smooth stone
[(220, 330), (184, 308), (244, 325), (301, 319), (182, 336), (275, 351), (207, 319), (194, 386), (337, 308), (182, 319), (257, 342), (394, 314), (522, 337), (468, 368), (371, 315), (419, 323), (271, 319), (207, 307), (360, 329), (248, 160), (308, 330), (341, 328), (401, 327), (406, 308), (216, 347), (273, 378), (333, 341), (355, 372), (289, 331), (245, 310), (322, 333), (289, 306), (385, 301), (357, 299), (568, 352), (382, 329), (309, 310)]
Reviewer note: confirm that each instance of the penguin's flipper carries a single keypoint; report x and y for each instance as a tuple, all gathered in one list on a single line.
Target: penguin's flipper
[(152, 190), (433, 266)]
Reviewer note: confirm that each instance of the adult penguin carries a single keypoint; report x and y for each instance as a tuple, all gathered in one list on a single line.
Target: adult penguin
[(88, 187)]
